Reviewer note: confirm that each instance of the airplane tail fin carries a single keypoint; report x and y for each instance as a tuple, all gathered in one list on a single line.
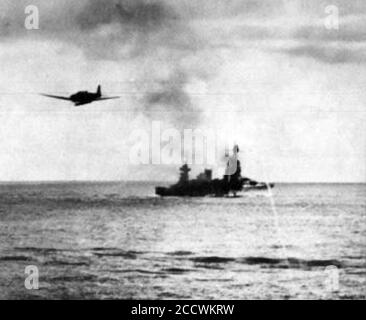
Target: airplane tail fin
[(99, 91)]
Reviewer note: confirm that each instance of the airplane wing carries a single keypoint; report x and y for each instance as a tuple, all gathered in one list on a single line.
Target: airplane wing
[(56, 97), (107, 98)]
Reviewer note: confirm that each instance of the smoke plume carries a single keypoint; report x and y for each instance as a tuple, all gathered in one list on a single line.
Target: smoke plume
[(154, 35)]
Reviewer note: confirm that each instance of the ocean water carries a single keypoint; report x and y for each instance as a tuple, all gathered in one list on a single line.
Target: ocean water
[(119, 241)]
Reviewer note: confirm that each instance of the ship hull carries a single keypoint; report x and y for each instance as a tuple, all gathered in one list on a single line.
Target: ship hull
[(203, 190)]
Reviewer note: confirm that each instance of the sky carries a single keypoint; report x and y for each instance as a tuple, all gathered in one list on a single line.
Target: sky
[(269, 75)]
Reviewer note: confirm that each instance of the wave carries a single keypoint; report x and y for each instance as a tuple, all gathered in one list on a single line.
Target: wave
[(42, 251), (269, 262), (81, 202), (212, 260), (208, 262), (77, 278), (15, 259), (177, 270), (114, 252), (67, 263), (141, 271), (180, 253)]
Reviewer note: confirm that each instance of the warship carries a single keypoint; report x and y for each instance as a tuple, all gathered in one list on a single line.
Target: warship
[(204, 185)]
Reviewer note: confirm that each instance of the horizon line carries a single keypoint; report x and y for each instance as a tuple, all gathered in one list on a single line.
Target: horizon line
[(4, 182)]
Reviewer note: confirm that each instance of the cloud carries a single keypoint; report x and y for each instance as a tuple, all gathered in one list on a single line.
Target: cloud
[(351, 29), (329, 54), (98, 26)]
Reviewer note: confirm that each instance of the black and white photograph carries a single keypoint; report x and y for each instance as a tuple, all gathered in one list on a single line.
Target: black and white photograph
[(182, 150)]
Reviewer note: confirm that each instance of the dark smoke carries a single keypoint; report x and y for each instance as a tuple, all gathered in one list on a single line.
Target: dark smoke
[(125, 29), (142, 15), (156, 33), (173, 100)]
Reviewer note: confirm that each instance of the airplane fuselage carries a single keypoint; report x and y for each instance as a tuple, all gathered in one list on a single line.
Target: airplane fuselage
[(84, 97)]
